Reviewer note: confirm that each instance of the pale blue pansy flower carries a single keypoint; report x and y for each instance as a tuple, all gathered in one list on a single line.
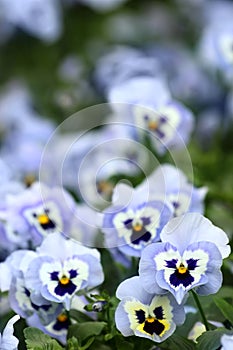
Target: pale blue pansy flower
[(189, 257), (62, 268), (146, 103), (146, 315), (39, 211), (134, 220)]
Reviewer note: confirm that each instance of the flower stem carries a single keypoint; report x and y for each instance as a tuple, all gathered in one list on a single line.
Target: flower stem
[(197, 301)]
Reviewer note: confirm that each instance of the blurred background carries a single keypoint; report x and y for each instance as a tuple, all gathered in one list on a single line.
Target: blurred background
[(59, 56)]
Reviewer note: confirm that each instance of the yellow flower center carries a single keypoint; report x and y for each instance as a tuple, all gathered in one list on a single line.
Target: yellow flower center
[(105, 187), (152, 125), (43, 219), (64, 280), (182, 269), (62, 318), (137, 227), (150, 319), (29, 179)]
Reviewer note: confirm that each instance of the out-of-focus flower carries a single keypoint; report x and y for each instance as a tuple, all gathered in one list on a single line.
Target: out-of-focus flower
[(7, 340), (189, 257), (62, 268), (171, 184), (227, 342), (188, 81), (215, 47), (102, 5), (114, 153), (38, 17), (23, 132), (146, 315), (123, 63), (134, 220), (147, 104)]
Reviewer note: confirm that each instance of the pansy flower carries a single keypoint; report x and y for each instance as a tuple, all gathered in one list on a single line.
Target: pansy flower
[(146, 315), (62, 268), (58, 326), (169, 126), (148, 105), (171, 183), (39, 211), (134, 220), (189, 257), (7, 340)]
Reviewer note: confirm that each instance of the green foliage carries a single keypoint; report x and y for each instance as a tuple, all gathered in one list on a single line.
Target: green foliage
[(211, 340), (177, 342), (225, 308), (83, 331), (37, 340)]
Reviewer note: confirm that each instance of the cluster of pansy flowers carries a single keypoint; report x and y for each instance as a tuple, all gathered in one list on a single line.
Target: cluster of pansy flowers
[(179, 249), (45, 270)]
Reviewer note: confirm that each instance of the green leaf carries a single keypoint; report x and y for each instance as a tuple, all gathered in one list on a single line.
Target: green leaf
[(79, 316), (85, 330), (124, 345), (177, 342), (211, 340), (225, 308), (88, 344), (37, 340), (72, 344)]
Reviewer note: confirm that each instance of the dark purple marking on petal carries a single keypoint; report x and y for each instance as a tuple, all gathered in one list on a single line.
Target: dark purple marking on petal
[(45, 307), (138, 236), (54, 276), (192, 263), (176, 204), (153, 327), (160, 133), (140, 314), (185, 279), (146, 221), (163, 119), (128, 223), (63, 289), (158, 312), (171, 263), (73, 273), (27, 292), (50, 225)]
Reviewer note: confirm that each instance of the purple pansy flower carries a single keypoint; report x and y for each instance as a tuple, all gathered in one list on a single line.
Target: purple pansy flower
[(39, 211), (146, 315), (134, 220), (7, 340), (190, 256), (62, 268)]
